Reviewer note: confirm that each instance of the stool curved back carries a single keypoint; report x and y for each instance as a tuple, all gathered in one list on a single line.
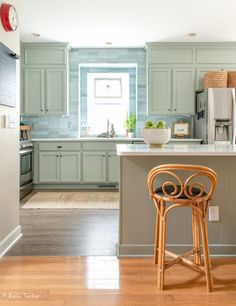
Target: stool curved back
[(182, 187)]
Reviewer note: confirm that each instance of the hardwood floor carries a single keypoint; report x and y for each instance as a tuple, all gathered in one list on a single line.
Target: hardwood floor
[(67, 232), (103, 281)]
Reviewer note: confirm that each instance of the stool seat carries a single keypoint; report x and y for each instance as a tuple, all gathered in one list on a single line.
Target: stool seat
[(170, 189)]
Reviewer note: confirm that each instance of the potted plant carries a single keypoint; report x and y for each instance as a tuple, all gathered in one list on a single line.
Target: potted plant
[(130, 124)]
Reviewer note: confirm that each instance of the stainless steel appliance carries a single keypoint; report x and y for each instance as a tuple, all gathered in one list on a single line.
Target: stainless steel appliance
[(26, 167), (215, 116)]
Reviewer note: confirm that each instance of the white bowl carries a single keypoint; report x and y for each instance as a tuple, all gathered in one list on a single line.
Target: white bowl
[(157, 137)]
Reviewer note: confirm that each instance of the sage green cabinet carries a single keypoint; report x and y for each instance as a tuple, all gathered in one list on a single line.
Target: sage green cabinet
[(34, 91), (59, 167), (171, 91), (113, 168), (45, 91), (70, 167), (44, 79), (49, 167), (159, 91), (94, 167), (56, 91), (183, 91)]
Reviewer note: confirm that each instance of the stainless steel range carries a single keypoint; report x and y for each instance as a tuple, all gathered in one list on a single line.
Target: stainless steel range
[(26, 167)]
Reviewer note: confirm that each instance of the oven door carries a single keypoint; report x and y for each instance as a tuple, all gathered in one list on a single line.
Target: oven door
[(26, 166)]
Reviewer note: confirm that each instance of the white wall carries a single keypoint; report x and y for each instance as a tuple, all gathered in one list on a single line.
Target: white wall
[(9, 154)]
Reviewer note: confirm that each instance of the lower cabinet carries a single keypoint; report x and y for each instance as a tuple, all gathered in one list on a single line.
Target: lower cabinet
[(55, 167), (100, 167), (94, 167), (113, 168)]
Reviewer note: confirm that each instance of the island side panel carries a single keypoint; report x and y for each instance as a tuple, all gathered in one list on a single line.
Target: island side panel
[(137, 211)]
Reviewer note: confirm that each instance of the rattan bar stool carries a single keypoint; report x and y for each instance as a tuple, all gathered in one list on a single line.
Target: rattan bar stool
[(169, 190)]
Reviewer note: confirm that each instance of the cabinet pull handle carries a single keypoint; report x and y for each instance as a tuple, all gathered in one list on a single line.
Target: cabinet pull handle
[(59, 147)]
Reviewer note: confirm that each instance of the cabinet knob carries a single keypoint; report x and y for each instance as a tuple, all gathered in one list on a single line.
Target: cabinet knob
[(104, 155), (57, 155), (169, 109), (175, 109), (47, 110), (41, 110)]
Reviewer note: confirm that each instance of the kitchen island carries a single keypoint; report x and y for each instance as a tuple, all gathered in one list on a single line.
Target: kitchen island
[(137, 212)]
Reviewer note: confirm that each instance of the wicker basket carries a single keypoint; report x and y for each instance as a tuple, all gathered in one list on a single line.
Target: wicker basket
[(215, 79), (231, 79)]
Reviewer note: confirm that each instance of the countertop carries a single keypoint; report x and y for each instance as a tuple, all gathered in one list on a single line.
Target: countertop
[(176, 150), (115, 139)]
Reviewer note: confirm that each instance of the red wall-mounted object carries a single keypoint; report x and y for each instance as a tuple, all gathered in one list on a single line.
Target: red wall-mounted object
[(9, 22)]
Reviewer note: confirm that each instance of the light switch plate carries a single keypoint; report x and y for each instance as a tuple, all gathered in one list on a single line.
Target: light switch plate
[(10, 122), (214, 213)]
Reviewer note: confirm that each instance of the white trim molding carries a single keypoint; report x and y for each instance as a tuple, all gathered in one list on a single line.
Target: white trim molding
[(10, 240)]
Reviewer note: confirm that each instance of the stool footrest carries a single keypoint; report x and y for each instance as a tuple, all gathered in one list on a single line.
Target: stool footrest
[(183, 259)]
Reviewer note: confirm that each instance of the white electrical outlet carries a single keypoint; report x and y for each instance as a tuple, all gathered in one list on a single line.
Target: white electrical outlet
[(214, 213)]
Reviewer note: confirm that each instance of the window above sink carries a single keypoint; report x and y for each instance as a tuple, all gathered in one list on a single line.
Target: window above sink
[(107, 93)]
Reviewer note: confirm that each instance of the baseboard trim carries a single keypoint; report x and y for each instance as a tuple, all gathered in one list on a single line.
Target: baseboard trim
[(146, 250), (75, 187), (10, 240)]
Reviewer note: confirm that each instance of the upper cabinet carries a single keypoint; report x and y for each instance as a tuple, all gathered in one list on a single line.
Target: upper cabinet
[(44, 79), (176, 70)]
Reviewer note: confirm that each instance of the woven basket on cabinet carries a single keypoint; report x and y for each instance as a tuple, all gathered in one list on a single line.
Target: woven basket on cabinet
[(231, 79), (215, 79)]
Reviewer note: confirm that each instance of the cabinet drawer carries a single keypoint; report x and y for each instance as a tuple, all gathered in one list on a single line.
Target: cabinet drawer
[(99, 146), (46, 56), (64, 146)]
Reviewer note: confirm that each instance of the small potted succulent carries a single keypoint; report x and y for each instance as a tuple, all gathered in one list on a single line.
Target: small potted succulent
[(156, 134), (130, 124)]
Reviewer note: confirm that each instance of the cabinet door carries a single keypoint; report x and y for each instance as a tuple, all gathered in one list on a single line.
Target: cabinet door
[(159, 91), (94, 167), (183, 91), (56, 92), (49, 167), (69, 167), (113, 168), (33, 91)]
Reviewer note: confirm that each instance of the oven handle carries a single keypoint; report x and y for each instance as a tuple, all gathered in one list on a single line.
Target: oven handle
[(27, 184), (26, 151)]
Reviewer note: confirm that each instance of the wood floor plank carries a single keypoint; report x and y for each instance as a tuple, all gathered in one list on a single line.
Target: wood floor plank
[(103, 281), (62, 232)]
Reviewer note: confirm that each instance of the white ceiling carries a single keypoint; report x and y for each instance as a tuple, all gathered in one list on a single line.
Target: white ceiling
[(127, 23)]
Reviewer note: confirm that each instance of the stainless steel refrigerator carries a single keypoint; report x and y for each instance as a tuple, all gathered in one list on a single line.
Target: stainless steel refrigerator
[(215, 116)]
